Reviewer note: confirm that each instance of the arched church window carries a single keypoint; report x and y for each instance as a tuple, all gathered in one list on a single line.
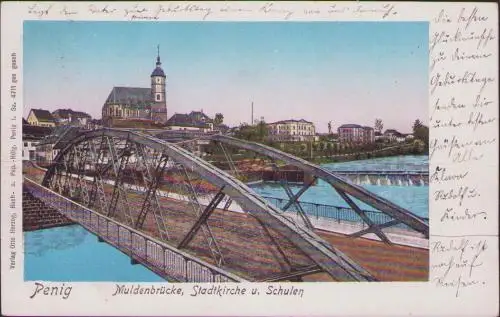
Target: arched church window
[(158, 97)]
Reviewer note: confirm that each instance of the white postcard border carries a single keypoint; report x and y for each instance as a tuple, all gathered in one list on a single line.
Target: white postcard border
[(319, 298)]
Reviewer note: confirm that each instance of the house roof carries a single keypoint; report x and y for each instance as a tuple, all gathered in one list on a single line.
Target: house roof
[(394, 132), (64, 113), (43, 115), (25, 122), (194, 119), (199, 116), (350, 125), (133, 96), (35, 132), (291, 121), (391, 131)]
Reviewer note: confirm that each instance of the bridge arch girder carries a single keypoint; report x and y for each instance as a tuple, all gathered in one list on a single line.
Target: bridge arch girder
[(342, 186), (326, 257)]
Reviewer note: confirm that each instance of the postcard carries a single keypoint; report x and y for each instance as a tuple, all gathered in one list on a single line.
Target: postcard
[(249, 158)]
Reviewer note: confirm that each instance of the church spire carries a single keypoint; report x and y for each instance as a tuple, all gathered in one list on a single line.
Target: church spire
[(158, 63), (158, 71)]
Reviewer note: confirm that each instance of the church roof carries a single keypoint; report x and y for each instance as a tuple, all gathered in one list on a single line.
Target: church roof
[(158, 71), (134, 96)]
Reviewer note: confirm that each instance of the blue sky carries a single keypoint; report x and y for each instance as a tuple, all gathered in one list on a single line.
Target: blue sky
[(346, 72)]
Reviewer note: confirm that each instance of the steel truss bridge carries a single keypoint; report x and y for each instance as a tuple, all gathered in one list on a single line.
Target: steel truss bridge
[(170, 210)]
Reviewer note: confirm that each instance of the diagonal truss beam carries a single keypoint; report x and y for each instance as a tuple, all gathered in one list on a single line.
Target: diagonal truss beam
[(295, 197), (97, 193), (364, 217), (202, 219), (229, 160), (207, 232), (151, 180), (68, 162), (292, 200), (375, 227), (118, 189), (227, 204), (276, 243), (81, 159)]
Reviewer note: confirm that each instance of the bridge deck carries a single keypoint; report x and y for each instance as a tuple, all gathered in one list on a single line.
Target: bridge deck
[(246, 248), (249, 253)]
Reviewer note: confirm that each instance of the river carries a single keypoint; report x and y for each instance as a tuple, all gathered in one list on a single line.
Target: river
[(71, 253), (412, 198)]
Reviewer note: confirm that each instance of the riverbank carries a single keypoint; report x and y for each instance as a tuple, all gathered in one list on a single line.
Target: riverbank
[(404, 150)]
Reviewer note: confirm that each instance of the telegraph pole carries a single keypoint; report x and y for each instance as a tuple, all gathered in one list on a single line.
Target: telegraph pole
[(251, 122)]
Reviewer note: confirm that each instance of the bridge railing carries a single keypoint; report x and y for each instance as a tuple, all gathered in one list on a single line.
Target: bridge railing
[(160, 257), (383, 172), (337, 213)]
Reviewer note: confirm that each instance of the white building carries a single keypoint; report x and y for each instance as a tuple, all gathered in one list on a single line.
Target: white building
[(292, 130), (31, 137)]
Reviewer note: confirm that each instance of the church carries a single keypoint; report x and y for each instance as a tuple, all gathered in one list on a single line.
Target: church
[(133, 104)]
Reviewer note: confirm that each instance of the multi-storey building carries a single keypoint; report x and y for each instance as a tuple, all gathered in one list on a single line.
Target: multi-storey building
[(292, 130), (356, 133)]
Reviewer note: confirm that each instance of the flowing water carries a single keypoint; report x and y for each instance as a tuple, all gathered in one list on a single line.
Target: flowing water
[(413, 198)]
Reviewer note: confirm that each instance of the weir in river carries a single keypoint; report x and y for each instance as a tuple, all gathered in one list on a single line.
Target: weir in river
[(388, 179)]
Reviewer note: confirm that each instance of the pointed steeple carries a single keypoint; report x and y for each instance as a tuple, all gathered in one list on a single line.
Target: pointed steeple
[(158, 63)]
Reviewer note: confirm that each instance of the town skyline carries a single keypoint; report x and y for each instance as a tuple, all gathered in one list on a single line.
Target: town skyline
[(333, 68)]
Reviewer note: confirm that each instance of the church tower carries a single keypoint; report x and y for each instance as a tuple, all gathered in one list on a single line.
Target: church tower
[(158, 83)]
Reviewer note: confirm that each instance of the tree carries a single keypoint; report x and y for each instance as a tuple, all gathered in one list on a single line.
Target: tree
[(256, 133), (417, 124), (379, 126), (422, 133), (262, 130), (219, 118)]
